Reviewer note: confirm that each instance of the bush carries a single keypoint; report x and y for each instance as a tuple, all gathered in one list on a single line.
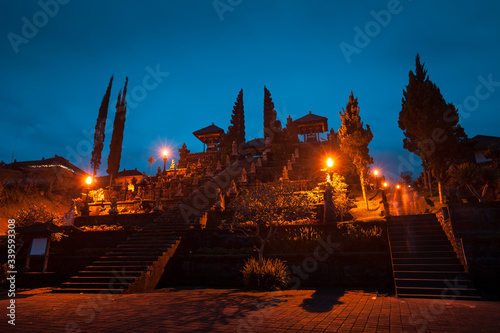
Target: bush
[(3, 274), (294, 240), (32, 214), (270, 276), (355, 238)]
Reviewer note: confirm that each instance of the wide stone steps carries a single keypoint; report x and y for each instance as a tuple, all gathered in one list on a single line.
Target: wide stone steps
[(109, 274), (130, 267), (431, 275), (423, 254), (427, 267), (441, 293), (424, 262), (432, 283)]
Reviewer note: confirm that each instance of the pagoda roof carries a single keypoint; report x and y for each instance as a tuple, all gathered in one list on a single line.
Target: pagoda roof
[(311, 123), (484, 141), (44, 164), (257, 142), (212, 129), (311, 118)]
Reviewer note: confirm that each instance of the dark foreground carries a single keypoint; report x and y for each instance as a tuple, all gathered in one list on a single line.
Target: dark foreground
[(225, 310)]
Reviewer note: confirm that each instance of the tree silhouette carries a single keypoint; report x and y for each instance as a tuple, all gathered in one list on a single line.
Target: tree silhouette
[(354, 140), (259, 211), (430, 126), (236, 131), (151, 161), (271, 124), (115, 148), (468, 174), (100, 127)]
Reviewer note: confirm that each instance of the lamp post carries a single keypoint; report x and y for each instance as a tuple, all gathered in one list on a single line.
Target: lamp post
[(86, 210), (165, 153), (329, 214), (375, 173), (329, 166)]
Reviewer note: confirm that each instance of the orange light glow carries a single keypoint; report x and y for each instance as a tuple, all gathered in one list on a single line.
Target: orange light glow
[(88, 180), (329, 162), (385, 184), (165, 153), (397, 186), (375, 172)]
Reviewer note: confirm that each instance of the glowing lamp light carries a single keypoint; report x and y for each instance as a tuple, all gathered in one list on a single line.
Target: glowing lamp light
[(385, 184), (88, 180), (165, 153), (375, 172), (397, 186), (329, 162)]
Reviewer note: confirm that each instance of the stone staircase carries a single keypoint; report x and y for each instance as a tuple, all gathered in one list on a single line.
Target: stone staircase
[(135, 265), (138, 264), (424, 262)]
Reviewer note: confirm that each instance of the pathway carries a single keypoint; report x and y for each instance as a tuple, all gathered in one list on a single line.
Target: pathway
[(222, 310)]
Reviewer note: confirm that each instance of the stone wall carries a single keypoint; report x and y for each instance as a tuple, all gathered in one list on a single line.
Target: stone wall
[(352, 270)]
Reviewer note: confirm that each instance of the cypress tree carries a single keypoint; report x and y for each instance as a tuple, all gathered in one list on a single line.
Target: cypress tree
[(115, 148), (430, 126), (236, 131), (271, 125), (354, 140), (100, 127)]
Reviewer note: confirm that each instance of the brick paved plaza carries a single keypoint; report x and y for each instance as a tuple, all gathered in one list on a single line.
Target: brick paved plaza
[(224, 310)]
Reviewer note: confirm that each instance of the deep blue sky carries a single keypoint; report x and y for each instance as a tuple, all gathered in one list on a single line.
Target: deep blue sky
[(52, 87)]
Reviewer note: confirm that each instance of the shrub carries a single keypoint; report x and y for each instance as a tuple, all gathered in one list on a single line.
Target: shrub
[(294, 240), (355, 238), (34, 213), (271, 275), (3, 274), (102, 227)]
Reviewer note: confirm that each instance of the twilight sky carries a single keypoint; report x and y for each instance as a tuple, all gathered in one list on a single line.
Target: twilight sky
[(187, 60)]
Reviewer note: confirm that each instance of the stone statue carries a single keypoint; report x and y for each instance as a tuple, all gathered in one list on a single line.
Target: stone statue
[(293, 158), (232, 188), (285, 173), (268, 144), (329, 215), (172, 166), (228, 160), (289, 165), (252, 168), (296, 152), (234, 149), (264, 156), (220, 204), (209, 172), (114, 206), (259, 162), (243, 178)]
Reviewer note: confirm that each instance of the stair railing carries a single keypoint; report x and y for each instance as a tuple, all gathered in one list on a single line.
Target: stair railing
[(444, 218)]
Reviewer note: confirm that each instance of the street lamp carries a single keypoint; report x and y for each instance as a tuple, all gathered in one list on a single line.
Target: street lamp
[(88, 180), (85, 210), (375, 172), (329, 164), (329, 214), (385, 184), (165, 153)]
